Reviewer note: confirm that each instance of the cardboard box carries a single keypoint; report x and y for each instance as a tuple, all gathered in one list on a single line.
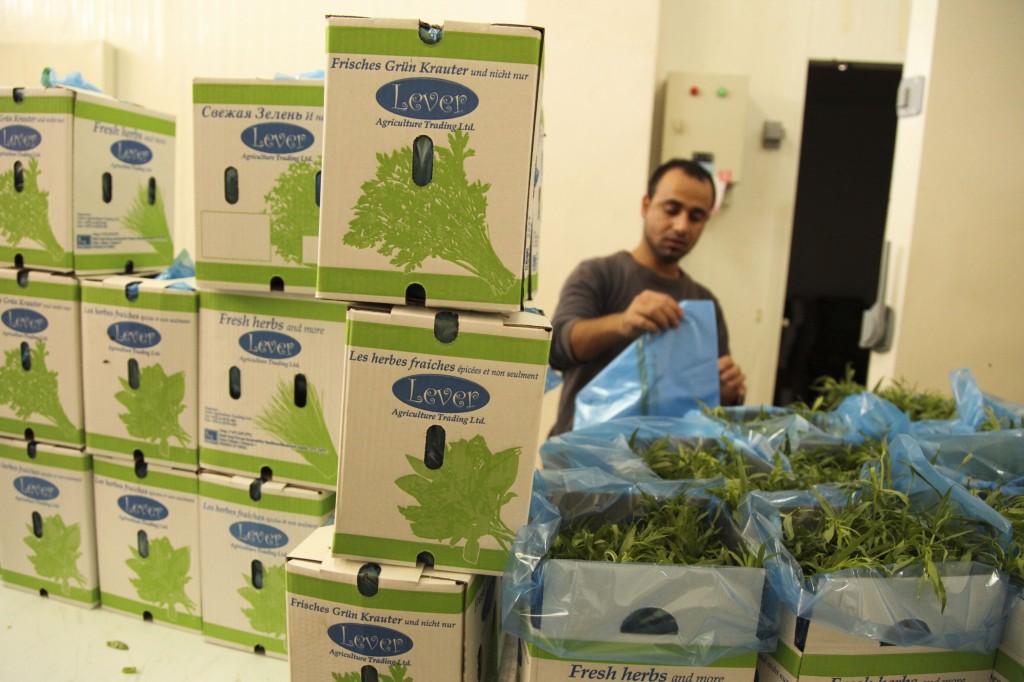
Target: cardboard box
[(637, 621), (258, 147), (46, 510), (140, 350), (96, 179), (534, 664), (829, 655), (270, 386), (40, 337), (1009, 662), (428, 162), (147, 529), (247, 527), (427, 624), (440, 421)]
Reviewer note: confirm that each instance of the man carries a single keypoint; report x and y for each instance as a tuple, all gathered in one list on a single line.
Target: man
[(608, 302)]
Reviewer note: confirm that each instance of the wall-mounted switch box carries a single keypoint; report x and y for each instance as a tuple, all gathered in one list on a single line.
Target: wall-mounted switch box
[(705, 118)]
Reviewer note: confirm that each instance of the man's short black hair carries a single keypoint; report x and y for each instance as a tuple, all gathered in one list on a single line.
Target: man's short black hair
[(692, 168)]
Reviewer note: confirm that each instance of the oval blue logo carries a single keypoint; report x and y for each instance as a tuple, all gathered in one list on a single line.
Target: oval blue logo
[(24, 320), (258, 534), (130, 151), (270, 345), (133, 334), (427, 98), (19, 138), (440, 393), (369, 640), (142, 508), (277, 138), (36, 488)]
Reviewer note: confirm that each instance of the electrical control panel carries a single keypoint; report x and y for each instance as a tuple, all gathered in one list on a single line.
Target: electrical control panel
[(705, 119)]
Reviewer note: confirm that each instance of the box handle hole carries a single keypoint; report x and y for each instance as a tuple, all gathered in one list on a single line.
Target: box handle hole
[(422, 160), (231, 185)]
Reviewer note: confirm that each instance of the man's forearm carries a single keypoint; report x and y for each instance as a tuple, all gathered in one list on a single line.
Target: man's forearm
[(590, 338)]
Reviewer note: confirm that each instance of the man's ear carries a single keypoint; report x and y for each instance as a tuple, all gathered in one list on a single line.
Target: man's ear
[(644, 205)]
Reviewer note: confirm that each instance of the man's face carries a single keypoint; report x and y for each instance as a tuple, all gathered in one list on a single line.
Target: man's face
[(675, 216)]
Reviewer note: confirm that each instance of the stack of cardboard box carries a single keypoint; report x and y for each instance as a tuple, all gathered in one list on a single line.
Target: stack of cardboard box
[(270, 353), (430, 188), (86, 190)]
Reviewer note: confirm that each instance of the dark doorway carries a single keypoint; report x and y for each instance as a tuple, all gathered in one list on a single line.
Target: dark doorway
[(849, 131)]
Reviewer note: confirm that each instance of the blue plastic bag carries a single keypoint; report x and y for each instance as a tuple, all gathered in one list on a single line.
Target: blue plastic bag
[(666, 374), (50, 79), (973, 405)]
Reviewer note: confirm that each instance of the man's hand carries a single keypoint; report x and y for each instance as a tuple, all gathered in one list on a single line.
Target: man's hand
[(651, 311), (732, 382)]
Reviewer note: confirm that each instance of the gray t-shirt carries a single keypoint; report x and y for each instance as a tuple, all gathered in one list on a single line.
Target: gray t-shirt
[(602, 286)]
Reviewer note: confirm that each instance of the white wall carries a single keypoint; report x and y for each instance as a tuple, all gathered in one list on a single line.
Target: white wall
[(954, 216), (744, 253)]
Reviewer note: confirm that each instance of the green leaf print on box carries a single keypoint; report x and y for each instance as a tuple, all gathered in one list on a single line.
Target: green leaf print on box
[(146, 218), (34, 391), (155, 407), (56, 551), (302, 428), (162, 575), (396, 672), (446, 218), (25, 214), (293, 209), (268, 613), (462, 500)]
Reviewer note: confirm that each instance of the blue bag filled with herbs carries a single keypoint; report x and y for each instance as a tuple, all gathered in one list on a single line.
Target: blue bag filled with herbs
[(902, 555), (847, 408), (697, 447), (652, 572), (617, 445), (983, 411)]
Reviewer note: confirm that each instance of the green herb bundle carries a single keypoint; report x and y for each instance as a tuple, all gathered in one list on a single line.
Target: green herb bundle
[(919, 405), (26, 214), (153, 409), (56, 551), (833, 463), (162, 575), (461, 501), (679, 460), (875, 526), (292, 208), (149, 220), (268, 613), (34, 392), (676, 532), (446, 218), (747, 417), (302, 428), (676, 459)]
